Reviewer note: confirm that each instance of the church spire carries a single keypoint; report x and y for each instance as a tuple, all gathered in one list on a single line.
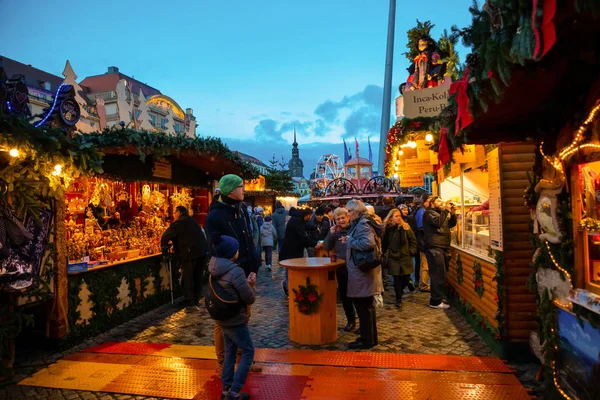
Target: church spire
[(295, 143)]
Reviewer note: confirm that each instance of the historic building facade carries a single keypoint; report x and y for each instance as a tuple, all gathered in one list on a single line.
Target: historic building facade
[(107, 100)]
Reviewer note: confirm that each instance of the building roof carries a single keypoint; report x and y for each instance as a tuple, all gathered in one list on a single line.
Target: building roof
[(34, 77), (251, 159), (108, 82), (358, 161)]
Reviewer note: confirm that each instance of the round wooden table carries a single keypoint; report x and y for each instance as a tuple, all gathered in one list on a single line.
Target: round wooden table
[(321, 326)]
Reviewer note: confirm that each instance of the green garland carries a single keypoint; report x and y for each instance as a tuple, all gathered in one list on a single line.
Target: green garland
[(500, 292), (459, 269), (478, 279), (467, 309)]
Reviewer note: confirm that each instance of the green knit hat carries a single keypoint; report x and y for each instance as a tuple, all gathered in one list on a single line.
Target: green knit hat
[(228, 183)]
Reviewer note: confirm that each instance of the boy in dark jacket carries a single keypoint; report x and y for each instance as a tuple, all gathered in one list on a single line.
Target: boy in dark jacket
[(296, 239), (227, 274), (189, 244)]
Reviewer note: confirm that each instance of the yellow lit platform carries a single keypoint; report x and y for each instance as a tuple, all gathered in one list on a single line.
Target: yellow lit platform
[(188, 372)]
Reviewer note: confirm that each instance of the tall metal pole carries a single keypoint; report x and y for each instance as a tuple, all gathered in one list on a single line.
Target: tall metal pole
[(387, 88)]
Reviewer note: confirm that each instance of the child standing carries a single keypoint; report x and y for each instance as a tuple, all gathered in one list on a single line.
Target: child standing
[(231, 278), (268, 236)]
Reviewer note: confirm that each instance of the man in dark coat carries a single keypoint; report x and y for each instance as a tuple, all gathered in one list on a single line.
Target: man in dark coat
[(317, 228), (437, 222), (296, 238), (383, 207), (189, 244), (280, 217), (229, 216)]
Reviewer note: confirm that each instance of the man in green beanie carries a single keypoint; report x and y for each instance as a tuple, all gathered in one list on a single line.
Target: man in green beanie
[(229, 216)]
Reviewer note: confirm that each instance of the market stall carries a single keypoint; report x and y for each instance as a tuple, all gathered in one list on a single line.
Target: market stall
[(85, 213), (533, 76), (489, 267)]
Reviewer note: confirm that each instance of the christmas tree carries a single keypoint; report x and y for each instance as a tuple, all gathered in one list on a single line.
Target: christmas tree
[(143, 120), (71, 79), (169, 127)]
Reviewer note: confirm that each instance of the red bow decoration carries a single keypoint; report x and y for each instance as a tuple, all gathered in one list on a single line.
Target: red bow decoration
[(463, 116), (443, 153), (544, 31)]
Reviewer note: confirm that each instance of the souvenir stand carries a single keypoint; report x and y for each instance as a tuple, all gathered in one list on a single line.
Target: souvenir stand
[(257, 195), (534, 76), (82, 216)]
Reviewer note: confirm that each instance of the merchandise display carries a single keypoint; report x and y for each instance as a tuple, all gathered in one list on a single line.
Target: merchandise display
[(111, 222)]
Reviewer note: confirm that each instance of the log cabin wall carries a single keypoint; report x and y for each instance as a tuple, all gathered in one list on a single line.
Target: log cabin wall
[(516, 159), (487, 304)]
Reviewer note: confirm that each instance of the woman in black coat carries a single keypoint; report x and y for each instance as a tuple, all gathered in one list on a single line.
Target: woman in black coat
[(399, 244), (296, 239)]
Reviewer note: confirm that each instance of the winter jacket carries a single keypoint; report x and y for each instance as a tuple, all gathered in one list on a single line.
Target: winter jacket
[(233, 220), (364, 235), (317, 230), (399, 245), (383, 210), (233, 280), (296, 239), (436, 228), (188, 239), (333, 242), (280, 217), (268, 235)]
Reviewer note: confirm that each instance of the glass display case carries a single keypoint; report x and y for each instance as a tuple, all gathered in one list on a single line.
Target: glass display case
[(589, 190), (472, 230)]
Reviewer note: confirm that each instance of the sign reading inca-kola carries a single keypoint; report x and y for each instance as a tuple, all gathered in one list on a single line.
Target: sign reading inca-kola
[(425, 102), (408, 180), (419, 166)]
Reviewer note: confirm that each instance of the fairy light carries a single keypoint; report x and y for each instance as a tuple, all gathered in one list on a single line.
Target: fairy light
[(556, 264), (43, 121), (573, 147), (397, 162), (429, 137), (57, 170), (412, 144), (14, 153)]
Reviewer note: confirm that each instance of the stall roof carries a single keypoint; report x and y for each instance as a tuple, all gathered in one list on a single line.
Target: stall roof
[(543, 96)]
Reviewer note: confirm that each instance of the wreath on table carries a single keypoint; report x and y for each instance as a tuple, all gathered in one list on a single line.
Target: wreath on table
[(308, 298)]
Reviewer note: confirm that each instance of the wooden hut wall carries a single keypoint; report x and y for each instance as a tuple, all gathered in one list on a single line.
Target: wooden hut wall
[(486, 304), (516, 159)]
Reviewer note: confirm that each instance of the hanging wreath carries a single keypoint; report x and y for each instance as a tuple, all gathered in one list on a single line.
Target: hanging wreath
[(307, 298), (459, 269), (478, 279)]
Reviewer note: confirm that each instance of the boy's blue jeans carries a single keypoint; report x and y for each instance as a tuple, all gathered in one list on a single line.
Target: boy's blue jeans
[(237, 337)]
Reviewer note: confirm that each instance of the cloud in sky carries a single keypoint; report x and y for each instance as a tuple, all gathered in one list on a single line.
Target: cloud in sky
[(353, 116)]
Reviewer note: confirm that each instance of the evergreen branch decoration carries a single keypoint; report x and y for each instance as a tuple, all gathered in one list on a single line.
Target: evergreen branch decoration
[(478, 279), (459, 269), (308, 298)]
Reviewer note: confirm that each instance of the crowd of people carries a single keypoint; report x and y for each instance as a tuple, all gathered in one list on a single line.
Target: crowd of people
[(412, 244)]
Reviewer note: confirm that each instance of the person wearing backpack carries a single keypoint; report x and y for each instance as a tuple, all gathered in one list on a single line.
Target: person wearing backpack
[(268, 237), (229, 295)]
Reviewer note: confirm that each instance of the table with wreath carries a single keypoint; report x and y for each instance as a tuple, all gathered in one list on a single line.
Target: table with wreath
[(312, 299)]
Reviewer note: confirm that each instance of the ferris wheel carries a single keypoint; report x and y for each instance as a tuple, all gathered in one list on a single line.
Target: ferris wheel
[(329, 167)]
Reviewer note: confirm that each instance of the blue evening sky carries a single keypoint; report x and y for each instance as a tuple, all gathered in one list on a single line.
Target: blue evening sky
[(249, 69)]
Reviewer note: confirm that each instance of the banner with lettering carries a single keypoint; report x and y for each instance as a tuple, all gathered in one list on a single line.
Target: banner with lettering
[(425, 102)]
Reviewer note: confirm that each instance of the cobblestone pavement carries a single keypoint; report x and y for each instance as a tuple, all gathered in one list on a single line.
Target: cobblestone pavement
[(415, 329)]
